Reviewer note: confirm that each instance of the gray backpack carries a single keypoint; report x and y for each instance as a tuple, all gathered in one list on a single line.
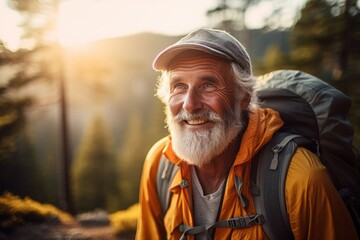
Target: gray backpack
[(315, 117)]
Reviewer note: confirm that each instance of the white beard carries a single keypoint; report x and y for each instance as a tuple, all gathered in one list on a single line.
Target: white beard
[(201, 146)]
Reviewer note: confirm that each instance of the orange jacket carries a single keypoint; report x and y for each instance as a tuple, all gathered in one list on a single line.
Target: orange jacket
[(315, 209)]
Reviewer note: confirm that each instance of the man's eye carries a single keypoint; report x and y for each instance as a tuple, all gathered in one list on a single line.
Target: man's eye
[(209, 86), (178, 87)]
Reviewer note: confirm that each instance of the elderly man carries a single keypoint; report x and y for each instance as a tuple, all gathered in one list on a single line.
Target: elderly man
[(216, 129)]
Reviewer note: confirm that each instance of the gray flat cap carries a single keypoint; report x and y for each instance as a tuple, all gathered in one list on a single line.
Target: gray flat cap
[(212, 41)]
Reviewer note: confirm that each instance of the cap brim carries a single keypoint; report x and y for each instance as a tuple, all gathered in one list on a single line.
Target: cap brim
[(163, 59)]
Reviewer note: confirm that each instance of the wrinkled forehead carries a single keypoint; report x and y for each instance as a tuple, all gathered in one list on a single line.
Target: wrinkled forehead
[(197, 60)]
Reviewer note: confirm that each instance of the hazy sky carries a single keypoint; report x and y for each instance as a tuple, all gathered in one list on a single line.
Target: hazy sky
[(86, 20)]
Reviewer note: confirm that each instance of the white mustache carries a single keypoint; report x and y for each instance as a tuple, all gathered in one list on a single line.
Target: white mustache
[(204, 115)]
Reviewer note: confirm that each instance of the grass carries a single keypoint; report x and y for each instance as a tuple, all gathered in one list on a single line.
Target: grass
[(16, 211), (124, 221)]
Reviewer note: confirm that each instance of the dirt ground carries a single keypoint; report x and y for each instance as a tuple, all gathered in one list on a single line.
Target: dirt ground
[(51, 231)]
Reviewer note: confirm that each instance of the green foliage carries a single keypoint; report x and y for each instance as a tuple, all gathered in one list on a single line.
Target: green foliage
[(12, 108), (93, 171), (12, 112), (129, 160), (15, 211), (326, 43), (326, 39), (24, 165), (273, 59), (125, 221), (21, 69), (143, 128)]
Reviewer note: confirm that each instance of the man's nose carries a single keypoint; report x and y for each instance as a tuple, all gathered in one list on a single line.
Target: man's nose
[(192, 101)]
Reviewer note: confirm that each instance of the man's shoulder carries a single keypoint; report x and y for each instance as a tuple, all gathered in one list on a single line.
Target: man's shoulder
[(155, 152), (306, 167), (152, 159), (159, 145)]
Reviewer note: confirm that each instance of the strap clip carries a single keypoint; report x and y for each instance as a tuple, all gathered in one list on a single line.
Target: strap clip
[(246, 221), (184, 183)]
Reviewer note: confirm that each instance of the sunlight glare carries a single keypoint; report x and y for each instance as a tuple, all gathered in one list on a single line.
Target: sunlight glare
[(10, 32), (82, 21), (77, 22)]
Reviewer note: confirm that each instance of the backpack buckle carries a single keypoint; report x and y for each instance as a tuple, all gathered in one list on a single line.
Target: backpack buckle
[(184, 183), (252, 220), (246, 221)]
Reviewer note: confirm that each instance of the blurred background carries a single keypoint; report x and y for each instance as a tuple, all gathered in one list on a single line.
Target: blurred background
[(77, 106)]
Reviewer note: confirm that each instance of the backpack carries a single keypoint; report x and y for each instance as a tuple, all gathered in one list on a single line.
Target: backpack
[(315, 110), (314, 114)]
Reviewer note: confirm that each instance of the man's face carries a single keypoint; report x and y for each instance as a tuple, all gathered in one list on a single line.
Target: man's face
[(203, 112)]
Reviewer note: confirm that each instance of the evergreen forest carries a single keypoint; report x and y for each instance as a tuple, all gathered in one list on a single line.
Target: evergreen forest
[(94, 105)]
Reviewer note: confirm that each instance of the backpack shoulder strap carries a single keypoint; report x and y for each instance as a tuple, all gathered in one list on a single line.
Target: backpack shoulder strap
[(268, 175), (164, 176)]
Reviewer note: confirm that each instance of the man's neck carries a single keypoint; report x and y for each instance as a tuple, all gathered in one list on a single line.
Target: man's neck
[(212, 174)]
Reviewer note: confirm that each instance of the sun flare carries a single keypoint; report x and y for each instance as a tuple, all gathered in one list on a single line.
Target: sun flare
[(78, 22), (82, 21)]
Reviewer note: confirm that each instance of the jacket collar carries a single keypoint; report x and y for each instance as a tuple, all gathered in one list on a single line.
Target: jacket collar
[(263, 123)]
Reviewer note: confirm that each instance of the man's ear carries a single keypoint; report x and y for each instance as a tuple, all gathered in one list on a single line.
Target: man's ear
[(245, 103)]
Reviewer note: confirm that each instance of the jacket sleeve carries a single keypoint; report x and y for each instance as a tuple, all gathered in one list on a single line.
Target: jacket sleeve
[(150, 223), (316, 210)]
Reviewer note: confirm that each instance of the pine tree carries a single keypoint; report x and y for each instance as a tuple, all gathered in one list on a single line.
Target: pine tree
[(21, 174), (130, 158), (93, 171), (326, 43), (27, 65), (326, 39)]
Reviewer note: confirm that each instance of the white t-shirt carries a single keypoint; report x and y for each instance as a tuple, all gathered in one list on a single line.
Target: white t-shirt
[(205, 207)]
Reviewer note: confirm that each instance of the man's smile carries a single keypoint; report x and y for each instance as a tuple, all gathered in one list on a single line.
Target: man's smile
[(196, 121)]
